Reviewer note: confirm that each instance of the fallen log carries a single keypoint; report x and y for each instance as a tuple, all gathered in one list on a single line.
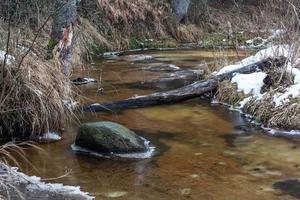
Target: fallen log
[(173, 96), (193, 90)]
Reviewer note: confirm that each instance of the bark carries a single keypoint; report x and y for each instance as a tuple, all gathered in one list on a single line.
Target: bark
[(180, 9), (62, 36), (196, 89), (173, 96)]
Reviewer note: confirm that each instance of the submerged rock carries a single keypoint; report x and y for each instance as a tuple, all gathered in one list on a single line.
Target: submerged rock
[(137, 58), (109, 137), (172, 81), (290, 187), (162, 67)]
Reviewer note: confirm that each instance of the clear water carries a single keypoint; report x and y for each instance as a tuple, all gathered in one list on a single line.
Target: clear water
[(201, 150)]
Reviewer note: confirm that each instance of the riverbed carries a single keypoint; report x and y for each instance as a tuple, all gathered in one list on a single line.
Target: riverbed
[(202, 151)]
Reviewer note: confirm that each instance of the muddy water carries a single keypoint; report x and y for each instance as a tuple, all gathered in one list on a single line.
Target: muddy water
[(202, 151)]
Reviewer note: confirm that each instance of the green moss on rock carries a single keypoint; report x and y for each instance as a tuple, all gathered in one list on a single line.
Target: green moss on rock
[(109, 137)]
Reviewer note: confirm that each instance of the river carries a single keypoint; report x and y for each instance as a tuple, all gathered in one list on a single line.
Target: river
[(203, 151)]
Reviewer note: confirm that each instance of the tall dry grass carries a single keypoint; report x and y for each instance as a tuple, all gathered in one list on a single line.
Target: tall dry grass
[(33, 91)]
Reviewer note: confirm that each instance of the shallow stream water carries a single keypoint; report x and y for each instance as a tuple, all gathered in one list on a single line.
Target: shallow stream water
[(203, 151)]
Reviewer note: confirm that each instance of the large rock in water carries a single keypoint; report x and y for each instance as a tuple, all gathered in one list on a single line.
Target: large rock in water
[(180, 9), (109, 137)]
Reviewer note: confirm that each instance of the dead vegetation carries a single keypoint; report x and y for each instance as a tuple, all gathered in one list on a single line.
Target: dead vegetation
[(31, 100), (32, 90), (227, 93)]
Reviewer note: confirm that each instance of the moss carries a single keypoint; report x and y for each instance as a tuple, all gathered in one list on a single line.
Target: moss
[(135, 42), (239, 38), (52, 43), (210, 40), (216, 39), (96, 49)]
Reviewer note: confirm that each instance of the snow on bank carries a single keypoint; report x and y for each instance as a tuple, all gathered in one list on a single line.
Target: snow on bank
[(271, 52), (252, 84), (291, 92), (259, 42), (9, 58), (34, 184)]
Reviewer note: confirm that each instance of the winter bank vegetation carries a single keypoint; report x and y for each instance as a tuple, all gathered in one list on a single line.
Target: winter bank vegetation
[(41, 42)]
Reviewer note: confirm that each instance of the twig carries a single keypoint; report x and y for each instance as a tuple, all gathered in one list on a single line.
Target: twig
[(7, 45), (33, 41)]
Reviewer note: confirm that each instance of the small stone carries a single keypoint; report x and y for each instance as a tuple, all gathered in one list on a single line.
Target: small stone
[(198, 154), (230, 153), (222, 163), (267, 189), (194, 176), (117, 194), (206, 144), (185, 191)]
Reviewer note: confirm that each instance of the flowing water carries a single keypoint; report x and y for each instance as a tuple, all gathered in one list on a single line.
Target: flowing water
[(203, 151)]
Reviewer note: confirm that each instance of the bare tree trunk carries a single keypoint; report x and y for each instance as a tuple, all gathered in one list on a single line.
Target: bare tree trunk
[(60, 45), (180, 9)]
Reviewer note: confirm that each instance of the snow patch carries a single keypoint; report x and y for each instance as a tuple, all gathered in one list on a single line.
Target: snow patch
[(70, 104), (291, 92), (271, 52), (250, 83), (51, 136), (9, 58)]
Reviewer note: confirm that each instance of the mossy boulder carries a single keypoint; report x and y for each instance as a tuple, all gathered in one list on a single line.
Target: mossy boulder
[(109, 137)]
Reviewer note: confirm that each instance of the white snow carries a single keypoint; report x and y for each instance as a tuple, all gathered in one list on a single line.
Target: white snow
[(51, 136), (261, 42), (271, 52), (250, 83), (34, 183), (253, 83), (10, 58), (291, 92), (174, 67), (70, 104)]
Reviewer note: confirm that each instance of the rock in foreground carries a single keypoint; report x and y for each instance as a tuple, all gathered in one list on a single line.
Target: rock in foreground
[(109, 137)]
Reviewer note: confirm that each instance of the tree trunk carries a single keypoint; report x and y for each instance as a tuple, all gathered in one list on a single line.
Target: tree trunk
[(196, 89), (180, 9), (61, 43)]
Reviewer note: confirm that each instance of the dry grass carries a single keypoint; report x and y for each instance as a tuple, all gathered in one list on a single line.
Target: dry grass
[(31, 101), (261, 110), (287, 116), (227, 93)]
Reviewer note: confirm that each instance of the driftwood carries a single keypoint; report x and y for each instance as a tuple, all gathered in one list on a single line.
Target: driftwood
[(193, 90)]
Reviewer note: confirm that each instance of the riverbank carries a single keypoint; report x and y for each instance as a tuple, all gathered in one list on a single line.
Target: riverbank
[(271, 95)]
